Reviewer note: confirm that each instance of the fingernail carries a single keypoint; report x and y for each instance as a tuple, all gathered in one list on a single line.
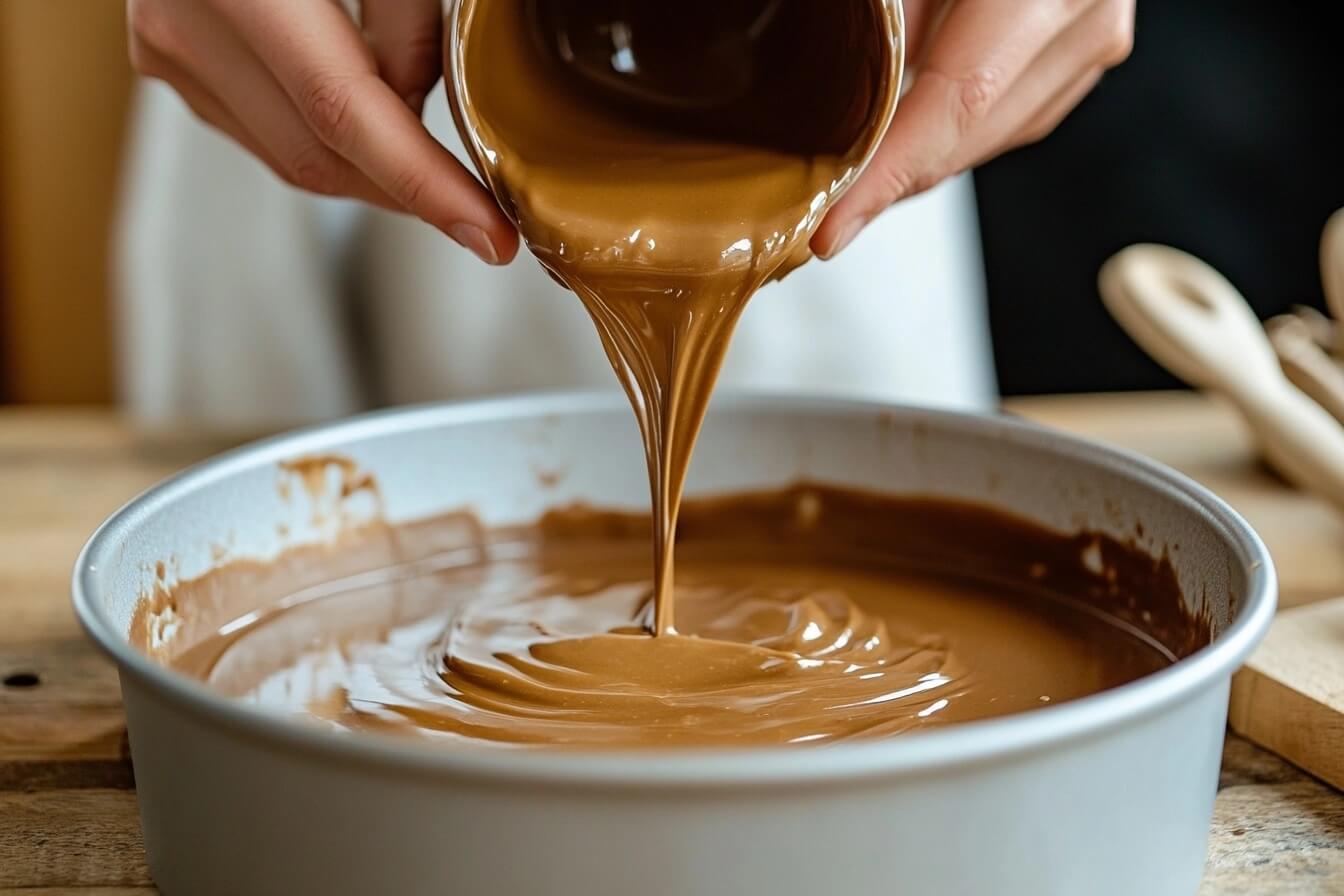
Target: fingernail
[(846, 237), (469, 236)]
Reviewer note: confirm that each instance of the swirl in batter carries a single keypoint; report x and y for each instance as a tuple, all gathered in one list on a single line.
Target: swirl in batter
[(796, 626)]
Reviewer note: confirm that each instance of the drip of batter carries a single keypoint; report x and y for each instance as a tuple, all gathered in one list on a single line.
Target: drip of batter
[(664, 160)]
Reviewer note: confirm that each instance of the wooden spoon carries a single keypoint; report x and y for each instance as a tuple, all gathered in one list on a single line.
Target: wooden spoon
[(1310, 344), (1323, 328), (1195, 323), (1306, 363)]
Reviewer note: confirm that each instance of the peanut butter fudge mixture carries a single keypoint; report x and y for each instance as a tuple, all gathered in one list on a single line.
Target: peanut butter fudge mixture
[(664, 161)]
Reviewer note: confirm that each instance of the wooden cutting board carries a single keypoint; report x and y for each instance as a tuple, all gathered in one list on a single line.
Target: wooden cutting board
[(1290, 695)]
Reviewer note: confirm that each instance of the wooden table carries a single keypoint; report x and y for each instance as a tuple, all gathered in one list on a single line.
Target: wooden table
[(67, 805)]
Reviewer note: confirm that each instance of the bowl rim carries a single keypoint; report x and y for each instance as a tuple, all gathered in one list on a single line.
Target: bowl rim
[(967, 743)]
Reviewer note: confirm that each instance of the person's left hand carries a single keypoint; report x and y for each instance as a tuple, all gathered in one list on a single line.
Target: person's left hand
[(992, 75), (330, 107)]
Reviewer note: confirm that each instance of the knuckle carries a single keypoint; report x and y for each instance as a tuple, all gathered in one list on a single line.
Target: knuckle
[(1036, 132), (408, 188), (925, 182), (974, 94), (1119, 39), (1118, 47), (328, 104), (423, 47), (314, 169), (416, 65), (896, 182), (151, 24)]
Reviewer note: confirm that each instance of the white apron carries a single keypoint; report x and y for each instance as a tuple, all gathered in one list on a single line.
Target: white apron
[(246, 305)]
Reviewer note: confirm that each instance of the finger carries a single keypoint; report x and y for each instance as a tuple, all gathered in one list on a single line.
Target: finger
[(1049, 116), (324, 65), (1054, 84), (977, 55), (205, 105), (149, 61), (406, 39), (275, 132), (923, 18), (1115, 42)]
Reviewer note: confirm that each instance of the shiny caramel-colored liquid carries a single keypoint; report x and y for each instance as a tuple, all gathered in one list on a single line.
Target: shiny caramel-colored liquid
[(665, 197), (794, 627), (664, 161)]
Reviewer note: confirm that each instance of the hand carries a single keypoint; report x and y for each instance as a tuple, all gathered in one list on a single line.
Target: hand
[(991, 76), (328, 109)]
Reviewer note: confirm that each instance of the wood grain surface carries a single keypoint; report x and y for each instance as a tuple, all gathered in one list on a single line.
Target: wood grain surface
[(68, 821), (1290, 695)]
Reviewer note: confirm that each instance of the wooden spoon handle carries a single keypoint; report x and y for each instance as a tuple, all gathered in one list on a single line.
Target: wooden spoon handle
[(1195, 323), (1189, 318), (1306, 363), (1303, 442), (1323, 328)]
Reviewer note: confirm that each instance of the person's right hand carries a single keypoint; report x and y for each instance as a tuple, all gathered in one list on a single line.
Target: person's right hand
[(987, 76), (329, 109)]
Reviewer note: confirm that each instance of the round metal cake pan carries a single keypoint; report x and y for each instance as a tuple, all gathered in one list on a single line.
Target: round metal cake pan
[(1110, 794)]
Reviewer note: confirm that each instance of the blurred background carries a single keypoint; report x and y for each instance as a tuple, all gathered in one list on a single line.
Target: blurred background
[(1218, 136), (1215, 137), (65, 88)]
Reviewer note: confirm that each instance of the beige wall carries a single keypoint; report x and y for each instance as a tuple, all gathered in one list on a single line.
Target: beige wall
[(64, 86)]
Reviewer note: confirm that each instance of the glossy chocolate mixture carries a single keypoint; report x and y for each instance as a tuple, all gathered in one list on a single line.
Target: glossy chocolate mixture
[(809, 615), (664, 160)]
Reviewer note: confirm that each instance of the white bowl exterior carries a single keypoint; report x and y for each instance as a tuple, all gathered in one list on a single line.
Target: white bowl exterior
[(228, 807), (227, 812)]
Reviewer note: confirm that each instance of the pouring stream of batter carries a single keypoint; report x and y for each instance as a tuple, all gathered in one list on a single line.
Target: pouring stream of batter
[(664, 160)]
